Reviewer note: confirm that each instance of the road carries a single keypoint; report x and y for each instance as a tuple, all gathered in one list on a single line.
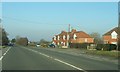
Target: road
[(26, 58)]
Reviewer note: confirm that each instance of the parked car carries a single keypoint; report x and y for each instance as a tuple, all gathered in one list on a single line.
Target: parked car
[(52, 45), (37, 45), (10, 44)]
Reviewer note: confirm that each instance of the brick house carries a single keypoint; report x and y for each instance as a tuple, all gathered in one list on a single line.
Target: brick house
[(64, 38), (111, 37)]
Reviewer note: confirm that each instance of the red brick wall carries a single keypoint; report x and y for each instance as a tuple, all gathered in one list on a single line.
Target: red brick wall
[(109, 39), (82, 40)]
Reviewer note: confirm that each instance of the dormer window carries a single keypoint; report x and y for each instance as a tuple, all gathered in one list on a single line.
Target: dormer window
[(114, 35), (74, 36), (63, 37)]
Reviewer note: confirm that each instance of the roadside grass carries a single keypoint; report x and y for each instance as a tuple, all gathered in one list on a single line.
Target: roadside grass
[(115, 54), (2, 47)]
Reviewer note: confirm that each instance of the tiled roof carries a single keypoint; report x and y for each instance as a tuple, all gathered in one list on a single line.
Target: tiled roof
[(81, 34), (116, 29)]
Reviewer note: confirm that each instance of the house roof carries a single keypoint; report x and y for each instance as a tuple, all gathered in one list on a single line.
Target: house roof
[(116, 29), (81, 34)]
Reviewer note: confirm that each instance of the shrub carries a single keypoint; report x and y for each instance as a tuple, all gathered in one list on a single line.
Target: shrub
[(99, 46), (79, 45), (106, 47)]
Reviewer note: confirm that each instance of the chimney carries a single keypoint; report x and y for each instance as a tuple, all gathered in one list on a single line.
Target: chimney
[(63, 31), (73, 30)]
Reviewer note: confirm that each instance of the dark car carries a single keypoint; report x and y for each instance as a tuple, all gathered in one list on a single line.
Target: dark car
[(10, 44), (52, 45)]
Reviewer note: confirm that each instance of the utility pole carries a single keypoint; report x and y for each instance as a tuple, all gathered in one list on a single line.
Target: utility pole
[(118, 40), (68, 36)]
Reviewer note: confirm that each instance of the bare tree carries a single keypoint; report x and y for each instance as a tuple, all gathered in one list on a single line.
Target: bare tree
[(22, 41), (97, 37)]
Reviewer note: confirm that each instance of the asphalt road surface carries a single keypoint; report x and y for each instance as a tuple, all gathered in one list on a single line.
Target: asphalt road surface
[(25, 58)]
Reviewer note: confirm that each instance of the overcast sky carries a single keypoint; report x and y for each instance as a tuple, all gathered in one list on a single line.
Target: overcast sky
[(37, 20)]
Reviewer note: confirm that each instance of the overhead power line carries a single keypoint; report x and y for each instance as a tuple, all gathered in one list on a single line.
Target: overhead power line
[(30, 21)]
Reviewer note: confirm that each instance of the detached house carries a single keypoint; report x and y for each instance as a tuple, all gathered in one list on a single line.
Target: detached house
[(64, 38), (111, 37)]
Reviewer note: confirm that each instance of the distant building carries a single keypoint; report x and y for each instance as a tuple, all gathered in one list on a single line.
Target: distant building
[(64, 38), (111, 37)]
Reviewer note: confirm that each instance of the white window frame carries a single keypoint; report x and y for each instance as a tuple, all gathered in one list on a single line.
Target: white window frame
[(54, 37), (58, 37), (114, 35), (86, 40), (68, 37), (64, 43), (64, 37), (58, 43), (74, 36)]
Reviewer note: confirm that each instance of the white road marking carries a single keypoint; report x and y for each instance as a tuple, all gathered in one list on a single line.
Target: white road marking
[(4, 53), (1, 57), (69, 64), (73, 66)]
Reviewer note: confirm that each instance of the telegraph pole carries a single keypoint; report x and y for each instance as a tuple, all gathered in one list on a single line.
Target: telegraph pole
[(118, 40), (68, 35)]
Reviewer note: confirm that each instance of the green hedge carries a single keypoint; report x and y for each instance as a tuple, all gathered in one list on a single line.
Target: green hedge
[(79, 45), (106, 47)]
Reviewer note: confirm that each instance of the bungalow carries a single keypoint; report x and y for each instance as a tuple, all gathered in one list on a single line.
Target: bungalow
[(111, 37), (64, 38)]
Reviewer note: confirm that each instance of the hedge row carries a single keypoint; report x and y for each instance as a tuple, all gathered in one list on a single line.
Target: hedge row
[(106, 47), (79, 45)]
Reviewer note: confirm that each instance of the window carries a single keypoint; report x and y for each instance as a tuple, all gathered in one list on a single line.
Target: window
[(68, 37), (64, 44), (58, 37), (74, 36), (85, 39), (54, 37), (58, 43), (63, 37), (114, 35)]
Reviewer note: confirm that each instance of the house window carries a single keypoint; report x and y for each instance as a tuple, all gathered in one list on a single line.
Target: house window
[(85, 39), (58, 43), (114, 43), (68, 37), (106, 41), (64, 43), (74, 36), (58, 37), (54, 37), (114, 35), (61, 42), (63, 37)]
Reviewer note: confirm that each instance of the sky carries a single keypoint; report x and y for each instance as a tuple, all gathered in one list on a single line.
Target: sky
[(43, 20)]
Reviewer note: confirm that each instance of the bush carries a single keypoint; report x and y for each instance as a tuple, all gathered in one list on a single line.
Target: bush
[(79, 45), (99, 46), (106, 47)]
